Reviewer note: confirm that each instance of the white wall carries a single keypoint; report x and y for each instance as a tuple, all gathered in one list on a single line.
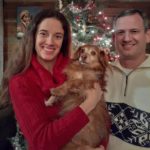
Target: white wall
[(1, 39)]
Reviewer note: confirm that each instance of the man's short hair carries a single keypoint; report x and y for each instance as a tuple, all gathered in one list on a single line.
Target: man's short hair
[(130, 12)]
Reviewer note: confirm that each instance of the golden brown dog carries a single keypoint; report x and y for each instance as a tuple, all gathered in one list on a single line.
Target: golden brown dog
[(87, 67)]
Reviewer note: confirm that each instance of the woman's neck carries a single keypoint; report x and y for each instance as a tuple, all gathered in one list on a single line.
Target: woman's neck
[(48, 65)]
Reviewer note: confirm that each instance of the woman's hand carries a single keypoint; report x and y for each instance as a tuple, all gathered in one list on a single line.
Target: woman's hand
[(93, 96)]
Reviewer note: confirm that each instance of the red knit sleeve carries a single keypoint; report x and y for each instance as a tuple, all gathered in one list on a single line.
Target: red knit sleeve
[(42, 130)]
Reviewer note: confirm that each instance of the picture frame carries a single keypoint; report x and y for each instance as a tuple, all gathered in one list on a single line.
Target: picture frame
[(25, 14)]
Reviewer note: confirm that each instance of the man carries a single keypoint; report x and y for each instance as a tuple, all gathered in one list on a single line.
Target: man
[(128, 83)]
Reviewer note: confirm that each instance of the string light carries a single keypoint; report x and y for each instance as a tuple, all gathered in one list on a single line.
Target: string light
[(89, 25)]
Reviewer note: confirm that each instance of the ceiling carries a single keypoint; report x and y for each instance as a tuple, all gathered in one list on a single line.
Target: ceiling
[(29, 0), (72, 0)]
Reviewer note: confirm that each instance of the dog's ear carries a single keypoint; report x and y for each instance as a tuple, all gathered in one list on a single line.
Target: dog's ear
[(77, 53), (103, 59)]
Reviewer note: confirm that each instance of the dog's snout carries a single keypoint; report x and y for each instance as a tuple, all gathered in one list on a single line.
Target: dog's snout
[(83, 57)]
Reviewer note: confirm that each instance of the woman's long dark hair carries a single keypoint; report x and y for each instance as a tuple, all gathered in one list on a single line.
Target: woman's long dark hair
[(20, 59)]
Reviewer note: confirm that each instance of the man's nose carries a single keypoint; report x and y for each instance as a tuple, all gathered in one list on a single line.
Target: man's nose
[(127, 36)]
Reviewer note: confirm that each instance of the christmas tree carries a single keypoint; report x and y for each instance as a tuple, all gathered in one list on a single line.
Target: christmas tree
[(88, 21)]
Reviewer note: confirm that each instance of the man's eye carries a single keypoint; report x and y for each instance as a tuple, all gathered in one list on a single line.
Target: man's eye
[(120, 32), (134, 31)]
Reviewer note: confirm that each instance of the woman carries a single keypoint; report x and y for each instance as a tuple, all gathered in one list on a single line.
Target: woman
[(36, 68)]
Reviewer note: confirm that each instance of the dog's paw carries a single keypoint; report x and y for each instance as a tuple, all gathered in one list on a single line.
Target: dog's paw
[(75, 90), (50, 101), (54, 91), (59, 91)]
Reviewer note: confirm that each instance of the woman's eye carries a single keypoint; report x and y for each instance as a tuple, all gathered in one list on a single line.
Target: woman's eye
[(42, 33), (59, 36)]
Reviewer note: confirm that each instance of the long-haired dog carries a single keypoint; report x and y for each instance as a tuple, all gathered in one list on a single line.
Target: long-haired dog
[(87, 67)]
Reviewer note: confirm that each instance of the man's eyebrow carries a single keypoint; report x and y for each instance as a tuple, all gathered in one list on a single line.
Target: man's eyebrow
[(120, 30)]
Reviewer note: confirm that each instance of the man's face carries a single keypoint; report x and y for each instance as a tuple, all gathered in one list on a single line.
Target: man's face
[(130, 38)]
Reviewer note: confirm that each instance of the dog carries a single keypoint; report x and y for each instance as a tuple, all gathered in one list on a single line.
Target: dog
[(87, 67)]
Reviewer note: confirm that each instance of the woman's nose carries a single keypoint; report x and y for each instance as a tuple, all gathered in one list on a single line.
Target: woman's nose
[(49, 40)]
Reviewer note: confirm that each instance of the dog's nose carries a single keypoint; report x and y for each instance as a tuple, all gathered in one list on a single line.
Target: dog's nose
[(84, 57)]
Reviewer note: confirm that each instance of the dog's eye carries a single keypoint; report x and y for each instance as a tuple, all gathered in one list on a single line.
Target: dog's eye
[(82, 50), (93, 53)]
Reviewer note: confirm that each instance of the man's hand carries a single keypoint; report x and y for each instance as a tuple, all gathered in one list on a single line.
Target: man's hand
[(90, 148)]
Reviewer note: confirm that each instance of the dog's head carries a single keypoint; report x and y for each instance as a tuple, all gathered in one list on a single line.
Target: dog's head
[(91, 56)]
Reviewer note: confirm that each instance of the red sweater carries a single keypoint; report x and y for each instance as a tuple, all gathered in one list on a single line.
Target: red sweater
[(41, 125)]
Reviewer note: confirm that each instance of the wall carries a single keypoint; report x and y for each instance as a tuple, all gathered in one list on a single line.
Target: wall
[(1, 39), (10, 7), (10, 22)]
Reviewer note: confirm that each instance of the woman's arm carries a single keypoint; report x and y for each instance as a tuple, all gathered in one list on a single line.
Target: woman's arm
[(40, 124)]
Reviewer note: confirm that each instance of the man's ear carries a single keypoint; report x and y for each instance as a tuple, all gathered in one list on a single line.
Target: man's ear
[(113, 37), (113, 40), (148, 36)]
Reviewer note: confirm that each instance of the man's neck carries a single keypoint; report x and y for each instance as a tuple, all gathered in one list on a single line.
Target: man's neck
[(132, 63)]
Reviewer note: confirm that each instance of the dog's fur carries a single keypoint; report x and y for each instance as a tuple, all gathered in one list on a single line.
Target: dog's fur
[(87, 67)]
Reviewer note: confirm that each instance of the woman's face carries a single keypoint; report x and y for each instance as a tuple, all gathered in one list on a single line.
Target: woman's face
[(49, 38)]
